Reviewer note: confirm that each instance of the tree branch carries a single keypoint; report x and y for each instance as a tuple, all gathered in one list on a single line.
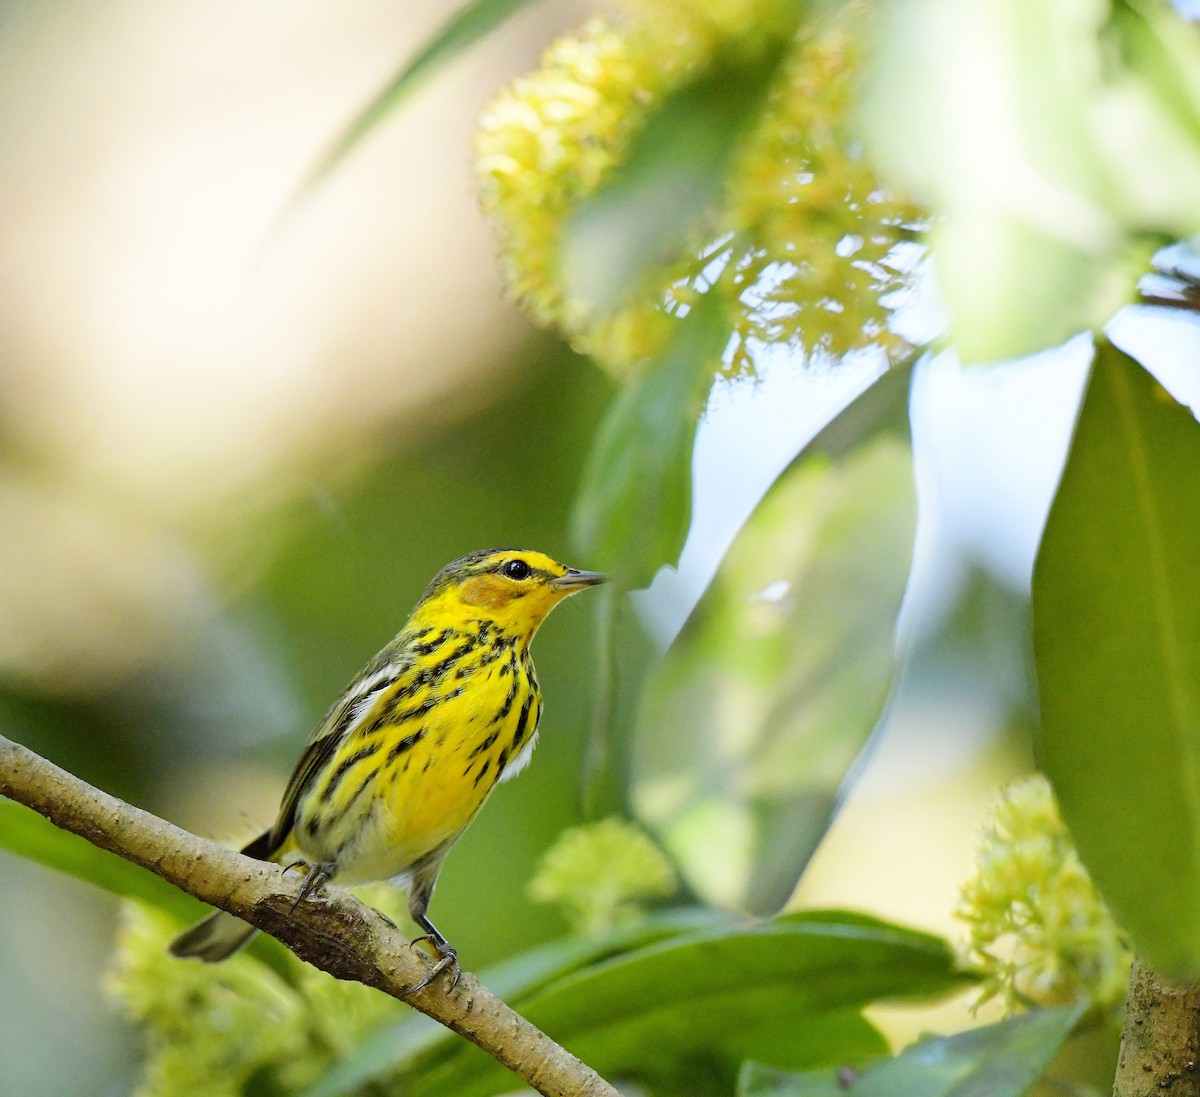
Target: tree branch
[(333, 931), (1160, 1040)]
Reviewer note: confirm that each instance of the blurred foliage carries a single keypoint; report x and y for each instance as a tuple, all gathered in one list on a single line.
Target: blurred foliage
[(1000, 1060), (1039, 930), (634, 505), (750, 724), (1059, 143), (633, 166), (1120, 696), (213, 1029), (663, 1015), (601, 873), (650, 1001), (465, 28), (26, 833), (406, 1048), (245, 1025)]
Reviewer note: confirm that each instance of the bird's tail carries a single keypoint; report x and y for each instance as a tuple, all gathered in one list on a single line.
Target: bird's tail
[(214, 938), (220, 935)]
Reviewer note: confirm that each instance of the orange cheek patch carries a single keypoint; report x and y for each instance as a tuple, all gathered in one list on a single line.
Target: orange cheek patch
[(483, 590)]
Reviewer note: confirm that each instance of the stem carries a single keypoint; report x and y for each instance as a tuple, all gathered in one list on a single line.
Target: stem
[(333, 931), (1160, 1044)]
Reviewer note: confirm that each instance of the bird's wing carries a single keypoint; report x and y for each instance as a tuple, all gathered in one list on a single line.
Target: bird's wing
[(340, 721)]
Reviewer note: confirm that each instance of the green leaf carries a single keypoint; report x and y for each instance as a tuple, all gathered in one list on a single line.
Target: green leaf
[(1147, 120), (1000, 1060), (757, 1080), (644, 214), (30, 835), (787, 993), (626, 653), (26, 833), (466, 27), (1116, 607), (418, 1041), (1055, 147), (751, 722), (632, 512)]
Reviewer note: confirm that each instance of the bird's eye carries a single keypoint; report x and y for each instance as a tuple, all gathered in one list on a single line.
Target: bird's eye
[(516, 569)]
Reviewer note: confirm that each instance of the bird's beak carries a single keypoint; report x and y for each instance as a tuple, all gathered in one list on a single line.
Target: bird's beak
[(574, 580)]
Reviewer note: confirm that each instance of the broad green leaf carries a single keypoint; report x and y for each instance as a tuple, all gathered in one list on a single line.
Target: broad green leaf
[(418, 1041), (643, 215), (750, 724), (1052, 143), (1116, 608), (631, 516), (787, 993), (628, 653), (466, 27), (27, 834), (1000, 1060)]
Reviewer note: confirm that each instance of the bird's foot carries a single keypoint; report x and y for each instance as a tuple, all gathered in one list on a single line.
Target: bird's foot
[(447, 961), (314, 877)]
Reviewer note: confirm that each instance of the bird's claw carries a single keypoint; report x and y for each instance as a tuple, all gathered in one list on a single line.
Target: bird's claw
[(448, 962), (314, 877)]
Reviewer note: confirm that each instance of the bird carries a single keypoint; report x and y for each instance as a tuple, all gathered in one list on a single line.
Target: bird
[(407, 755)]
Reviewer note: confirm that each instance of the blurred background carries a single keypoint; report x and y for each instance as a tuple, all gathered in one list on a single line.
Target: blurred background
[(235, 444), (239, 433)]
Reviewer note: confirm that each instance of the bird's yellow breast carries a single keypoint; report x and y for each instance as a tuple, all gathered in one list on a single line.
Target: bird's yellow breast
[(422, 755)]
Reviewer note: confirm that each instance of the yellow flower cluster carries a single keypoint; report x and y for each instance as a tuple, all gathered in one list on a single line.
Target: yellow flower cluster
[(213, 1028), (599, 872), (805, 230), (1039, 930)]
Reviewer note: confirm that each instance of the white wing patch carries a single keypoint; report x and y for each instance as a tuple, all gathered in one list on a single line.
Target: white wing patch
[(367, 694), (520, 761)]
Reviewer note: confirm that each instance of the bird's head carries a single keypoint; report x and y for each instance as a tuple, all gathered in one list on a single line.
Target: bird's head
[(512, 588)]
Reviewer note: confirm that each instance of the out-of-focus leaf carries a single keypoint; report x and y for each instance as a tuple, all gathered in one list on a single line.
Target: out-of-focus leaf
[(786, 993), (1050, 145), (757, 1080), (26, 833), (1146, 118), (750, 724), (1116, 608), (632, 513), (674, 171), (466, 27), (1000, 1060), (627, 655), (418, 1041), (631, 654)]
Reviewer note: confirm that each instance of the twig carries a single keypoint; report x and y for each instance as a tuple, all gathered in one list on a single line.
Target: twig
[(332, 931)]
